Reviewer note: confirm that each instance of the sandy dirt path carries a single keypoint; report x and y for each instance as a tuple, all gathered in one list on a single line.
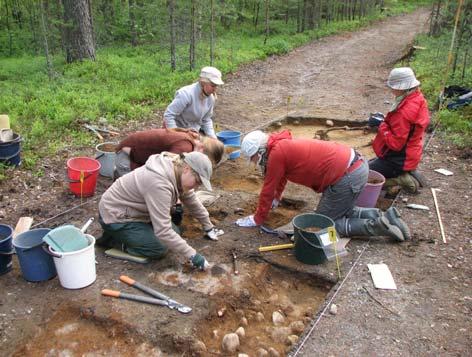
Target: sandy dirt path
[(340, 77)]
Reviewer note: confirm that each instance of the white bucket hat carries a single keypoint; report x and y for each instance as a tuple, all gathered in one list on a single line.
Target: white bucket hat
[(212, 74), (402, 78), (252, 143)]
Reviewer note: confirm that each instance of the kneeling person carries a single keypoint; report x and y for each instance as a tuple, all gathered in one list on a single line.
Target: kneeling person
[(135, 212)]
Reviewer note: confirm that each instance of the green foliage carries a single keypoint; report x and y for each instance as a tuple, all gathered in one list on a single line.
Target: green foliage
[(430, 65), (130, 83)]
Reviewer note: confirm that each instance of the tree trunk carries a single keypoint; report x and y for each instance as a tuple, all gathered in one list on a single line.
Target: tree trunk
[(267, 7), (171, 4), (10, 36), (212, 32), (192, 35), (132, 23), (45, 41), (78, 31)]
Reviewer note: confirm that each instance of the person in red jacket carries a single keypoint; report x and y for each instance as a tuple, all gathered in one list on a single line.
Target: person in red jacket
[(335, 170), (399, 140), (135, 149)]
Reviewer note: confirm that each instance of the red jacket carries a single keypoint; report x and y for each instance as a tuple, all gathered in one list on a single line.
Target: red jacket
[(400, 137), (312, 163), (146, 143)]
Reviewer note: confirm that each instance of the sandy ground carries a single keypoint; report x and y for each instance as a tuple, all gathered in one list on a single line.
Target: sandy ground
[(340, 77)]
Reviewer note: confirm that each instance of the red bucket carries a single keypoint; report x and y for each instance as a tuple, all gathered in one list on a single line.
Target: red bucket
[(82, 173)]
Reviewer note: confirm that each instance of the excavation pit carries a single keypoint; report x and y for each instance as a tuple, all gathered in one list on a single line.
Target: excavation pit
[(272, 306)]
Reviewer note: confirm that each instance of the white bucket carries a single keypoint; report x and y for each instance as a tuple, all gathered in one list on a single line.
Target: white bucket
[(76, 269), (106, 158)]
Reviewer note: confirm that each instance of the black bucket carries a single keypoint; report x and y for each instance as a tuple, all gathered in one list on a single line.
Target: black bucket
[(10, 151), (311, 247), (6, 248)]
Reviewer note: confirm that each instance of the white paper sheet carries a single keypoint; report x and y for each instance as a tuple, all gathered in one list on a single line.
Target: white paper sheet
[(381, 276)]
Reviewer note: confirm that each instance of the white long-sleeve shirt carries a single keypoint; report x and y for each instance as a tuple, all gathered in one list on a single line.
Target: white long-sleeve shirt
[(191, 109)]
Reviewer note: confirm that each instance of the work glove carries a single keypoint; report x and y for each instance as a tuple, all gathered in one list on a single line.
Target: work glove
[(375, 119), (199, 261), (275, 203), (246, 221), (177, 214), (213, 233)]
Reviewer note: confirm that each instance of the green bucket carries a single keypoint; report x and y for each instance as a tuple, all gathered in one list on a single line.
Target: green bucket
[(312, 247)]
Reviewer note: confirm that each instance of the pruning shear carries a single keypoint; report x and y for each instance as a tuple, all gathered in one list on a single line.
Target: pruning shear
[(159, 298)]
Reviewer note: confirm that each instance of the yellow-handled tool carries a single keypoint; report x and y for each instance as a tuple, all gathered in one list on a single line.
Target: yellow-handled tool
[(270, 248)]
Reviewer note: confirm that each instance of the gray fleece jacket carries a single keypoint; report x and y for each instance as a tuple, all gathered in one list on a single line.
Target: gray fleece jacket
[(147, 195), (191, 109)]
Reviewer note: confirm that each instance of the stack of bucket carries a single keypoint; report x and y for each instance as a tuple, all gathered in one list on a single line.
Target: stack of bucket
[(73, 253), (232, 141), (44, 253), (9, 143)]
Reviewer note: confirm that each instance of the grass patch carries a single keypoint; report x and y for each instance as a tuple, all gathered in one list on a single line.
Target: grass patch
[(430, 66), (126, 83)]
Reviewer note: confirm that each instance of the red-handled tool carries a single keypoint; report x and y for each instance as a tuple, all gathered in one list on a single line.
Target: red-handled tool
[(169, 302)]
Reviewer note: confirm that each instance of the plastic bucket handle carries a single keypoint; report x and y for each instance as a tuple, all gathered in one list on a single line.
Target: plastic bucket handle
[(48, 251), (307, 241), (76, 181), (11, 156)]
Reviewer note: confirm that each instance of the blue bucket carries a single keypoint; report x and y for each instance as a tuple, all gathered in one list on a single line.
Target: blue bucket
[(6, 248), (36, 264), (10, 151), (229, 137)]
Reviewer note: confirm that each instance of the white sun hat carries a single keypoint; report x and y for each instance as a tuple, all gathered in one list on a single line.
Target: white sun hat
[(212, 74), (252, 143), (402, 78)]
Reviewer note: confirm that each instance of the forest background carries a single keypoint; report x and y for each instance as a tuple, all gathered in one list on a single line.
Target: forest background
[(64, 63)]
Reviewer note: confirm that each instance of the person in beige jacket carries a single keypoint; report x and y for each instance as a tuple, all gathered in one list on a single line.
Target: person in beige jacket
[(135, 212)]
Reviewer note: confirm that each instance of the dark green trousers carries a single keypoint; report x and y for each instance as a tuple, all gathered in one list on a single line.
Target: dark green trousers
[(136, 238)]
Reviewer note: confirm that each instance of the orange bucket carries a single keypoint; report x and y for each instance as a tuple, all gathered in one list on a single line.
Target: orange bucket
[(82, 173)]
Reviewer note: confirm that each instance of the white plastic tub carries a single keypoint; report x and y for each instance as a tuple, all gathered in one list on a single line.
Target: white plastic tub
[(76, 269)]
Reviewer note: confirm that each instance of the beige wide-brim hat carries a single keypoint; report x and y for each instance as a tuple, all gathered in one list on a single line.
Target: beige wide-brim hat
[(212, 74), (402, 78)]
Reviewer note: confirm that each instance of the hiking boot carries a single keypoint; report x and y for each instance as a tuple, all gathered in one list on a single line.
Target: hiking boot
[(405, 181), (419, 177), (393, 216)]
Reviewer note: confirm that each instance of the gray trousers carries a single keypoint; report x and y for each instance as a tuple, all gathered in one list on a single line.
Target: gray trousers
[(337, 201)]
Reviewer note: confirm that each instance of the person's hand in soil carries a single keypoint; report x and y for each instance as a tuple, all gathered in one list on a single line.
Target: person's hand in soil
[(199, 261)]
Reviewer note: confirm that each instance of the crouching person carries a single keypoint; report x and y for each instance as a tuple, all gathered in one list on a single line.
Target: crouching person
[(135, 212), (335, 170)]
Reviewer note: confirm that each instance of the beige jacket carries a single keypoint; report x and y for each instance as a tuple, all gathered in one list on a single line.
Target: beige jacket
[(147, 195)]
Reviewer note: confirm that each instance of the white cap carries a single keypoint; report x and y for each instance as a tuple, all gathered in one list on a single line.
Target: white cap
[(201, 164), (402, 78), (212, 74), (252, 143)]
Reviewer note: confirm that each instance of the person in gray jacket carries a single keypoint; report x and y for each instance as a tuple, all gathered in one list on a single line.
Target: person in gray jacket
[(135, 210), (193, 105)]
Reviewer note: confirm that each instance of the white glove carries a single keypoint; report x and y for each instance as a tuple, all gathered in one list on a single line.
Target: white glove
[(275, 203), (214, 233), (246, 221)]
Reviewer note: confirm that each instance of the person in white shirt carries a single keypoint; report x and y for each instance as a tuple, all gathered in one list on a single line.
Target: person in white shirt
[(193, 105)]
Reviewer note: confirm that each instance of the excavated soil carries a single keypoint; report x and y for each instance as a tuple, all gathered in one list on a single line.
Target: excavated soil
[(281, 304)]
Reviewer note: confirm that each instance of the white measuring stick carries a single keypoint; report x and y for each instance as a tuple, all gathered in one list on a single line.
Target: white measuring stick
[(433, 190)]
